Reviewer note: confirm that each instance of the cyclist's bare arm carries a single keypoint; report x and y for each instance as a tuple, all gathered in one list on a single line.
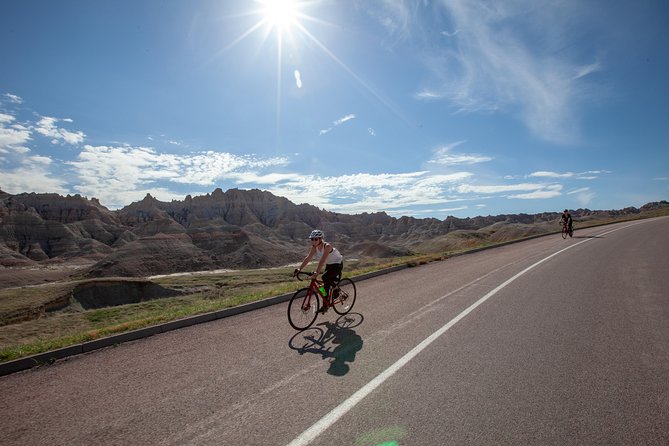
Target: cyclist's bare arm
[(307, 259)]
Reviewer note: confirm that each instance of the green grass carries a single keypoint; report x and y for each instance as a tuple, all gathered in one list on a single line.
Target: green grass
[(203, 293)]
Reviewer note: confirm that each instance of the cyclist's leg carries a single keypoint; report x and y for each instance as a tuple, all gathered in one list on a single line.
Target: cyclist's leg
[(331, 275)]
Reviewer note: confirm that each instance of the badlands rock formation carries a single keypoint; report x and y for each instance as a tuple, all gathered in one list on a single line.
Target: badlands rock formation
[(234, 229)]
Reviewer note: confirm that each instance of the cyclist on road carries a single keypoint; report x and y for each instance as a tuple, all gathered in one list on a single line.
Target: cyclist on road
[(566, 220), (328, 256)]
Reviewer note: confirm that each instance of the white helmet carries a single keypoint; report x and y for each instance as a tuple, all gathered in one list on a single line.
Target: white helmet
[(316, 233)]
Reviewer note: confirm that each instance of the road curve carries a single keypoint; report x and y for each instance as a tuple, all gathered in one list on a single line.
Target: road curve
[(547, 341)]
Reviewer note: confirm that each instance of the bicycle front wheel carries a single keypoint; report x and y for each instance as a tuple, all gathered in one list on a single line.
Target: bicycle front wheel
[(343, 296), (302, 309), (565, 231)]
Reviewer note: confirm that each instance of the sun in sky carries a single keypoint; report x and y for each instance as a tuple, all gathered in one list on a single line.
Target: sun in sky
[(284, 19), (278, 17), (280, 13), (281, 16)]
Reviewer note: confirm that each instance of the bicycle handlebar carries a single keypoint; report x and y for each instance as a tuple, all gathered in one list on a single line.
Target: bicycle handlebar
[(302, 275)]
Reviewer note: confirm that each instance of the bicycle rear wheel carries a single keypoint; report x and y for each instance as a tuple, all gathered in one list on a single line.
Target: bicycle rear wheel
[(302, 309), (343, 296)]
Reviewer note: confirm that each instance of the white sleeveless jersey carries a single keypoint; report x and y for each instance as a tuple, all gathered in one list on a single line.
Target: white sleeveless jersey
[(334, 257)]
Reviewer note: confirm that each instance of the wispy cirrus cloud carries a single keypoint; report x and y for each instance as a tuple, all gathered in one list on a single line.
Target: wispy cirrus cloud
[(584, 195), (428, 95), (549, 191), (13, 98), (445, 156), (493, 63), (587, 69), (499, 67), (499, 188), (587, 175), (371, 192), (337, 123)]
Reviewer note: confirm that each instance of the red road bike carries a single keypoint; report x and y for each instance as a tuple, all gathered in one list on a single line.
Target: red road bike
[(566, 232), (306, 303)]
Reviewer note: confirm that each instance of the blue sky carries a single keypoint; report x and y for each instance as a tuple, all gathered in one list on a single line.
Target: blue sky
[(421, 108)]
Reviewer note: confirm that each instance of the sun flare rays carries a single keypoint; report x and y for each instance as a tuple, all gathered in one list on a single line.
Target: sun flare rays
[(285, 20)]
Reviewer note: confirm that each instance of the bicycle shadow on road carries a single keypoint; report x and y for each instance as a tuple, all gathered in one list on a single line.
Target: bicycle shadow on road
[(336, 341)]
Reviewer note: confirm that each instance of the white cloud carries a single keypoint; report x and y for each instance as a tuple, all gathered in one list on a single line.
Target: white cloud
[(588, 175), (12, 137), (371, 131), (47, 127), (37, 159), (428, 95), (13, 98), (264, 179), (370, 192), (534, 190), (427, 212), (552, 174), (548, 192), (336, 123), (587, 69), (496, 189), (443, 156), (344, 119), (33, 175), (450, 34), (584, 195), (118, 175)]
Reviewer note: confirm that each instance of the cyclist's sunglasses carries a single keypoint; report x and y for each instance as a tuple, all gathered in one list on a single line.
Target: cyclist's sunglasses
[(313, 239)]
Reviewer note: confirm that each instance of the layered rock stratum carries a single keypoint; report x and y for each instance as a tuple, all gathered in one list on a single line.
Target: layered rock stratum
[(237, 229)]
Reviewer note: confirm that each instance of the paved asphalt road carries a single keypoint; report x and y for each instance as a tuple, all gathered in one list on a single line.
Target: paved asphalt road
[(544, 342)]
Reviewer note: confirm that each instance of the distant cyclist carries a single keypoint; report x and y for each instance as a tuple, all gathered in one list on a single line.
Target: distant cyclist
[(566, 220), (328, 256)]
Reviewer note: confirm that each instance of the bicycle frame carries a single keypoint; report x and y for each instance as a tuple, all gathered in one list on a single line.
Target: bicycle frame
[(314, 289)]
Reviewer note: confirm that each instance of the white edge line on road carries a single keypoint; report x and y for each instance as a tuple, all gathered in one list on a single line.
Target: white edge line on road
[(330, 418)]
